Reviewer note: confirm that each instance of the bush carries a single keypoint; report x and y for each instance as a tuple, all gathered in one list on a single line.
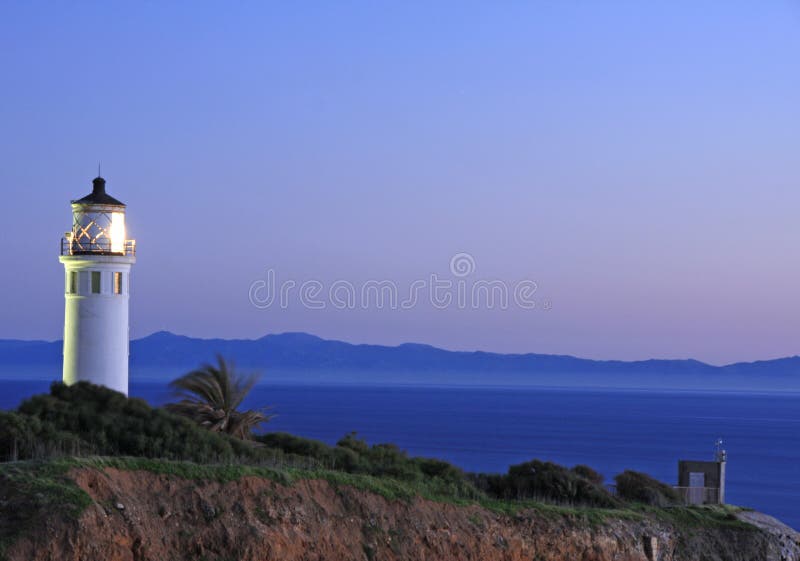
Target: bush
[(354, 455), (296, 445), (23, 437), (548, 482), (639, 487), (438, 468), (106, 422), (588, 473), (351, 441)]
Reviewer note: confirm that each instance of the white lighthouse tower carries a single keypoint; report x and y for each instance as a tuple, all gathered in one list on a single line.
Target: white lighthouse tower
[(97, 260)]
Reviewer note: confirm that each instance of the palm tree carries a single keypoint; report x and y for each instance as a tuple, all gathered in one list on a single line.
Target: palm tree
[(210, 397)]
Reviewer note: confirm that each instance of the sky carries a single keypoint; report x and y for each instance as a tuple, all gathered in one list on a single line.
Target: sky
[(633, 164)]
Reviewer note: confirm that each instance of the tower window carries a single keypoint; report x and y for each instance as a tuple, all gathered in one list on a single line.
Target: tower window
[(72, 282), (95, 282), (117, 283)]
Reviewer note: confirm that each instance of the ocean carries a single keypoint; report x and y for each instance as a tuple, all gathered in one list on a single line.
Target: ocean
[(487, 429)]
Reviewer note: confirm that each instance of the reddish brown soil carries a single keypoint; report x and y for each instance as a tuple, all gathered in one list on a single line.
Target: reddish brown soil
[(138, 516)]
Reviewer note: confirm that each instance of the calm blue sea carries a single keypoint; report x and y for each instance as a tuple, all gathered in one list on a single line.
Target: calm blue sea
[(488, 429)]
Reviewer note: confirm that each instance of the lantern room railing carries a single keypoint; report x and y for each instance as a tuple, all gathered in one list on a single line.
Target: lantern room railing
[(71, 246)]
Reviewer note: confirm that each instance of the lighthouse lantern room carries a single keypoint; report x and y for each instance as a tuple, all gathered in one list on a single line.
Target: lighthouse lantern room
[(97, 260)]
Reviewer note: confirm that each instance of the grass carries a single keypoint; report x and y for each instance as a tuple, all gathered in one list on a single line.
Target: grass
[(222, 473), (36, 487), (47, 484), (701, 516)]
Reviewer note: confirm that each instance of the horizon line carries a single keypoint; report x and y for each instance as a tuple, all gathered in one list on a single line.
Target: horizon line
[(407, 343)]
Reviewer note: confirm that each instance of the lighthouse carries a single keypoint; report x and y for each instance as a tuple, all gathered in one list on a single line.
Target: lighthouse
[(97, 258)]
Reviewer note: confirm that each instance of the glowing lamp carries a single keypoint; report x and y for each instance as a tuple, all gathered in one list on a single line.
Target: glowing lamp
[(117, 232), (98, 225)]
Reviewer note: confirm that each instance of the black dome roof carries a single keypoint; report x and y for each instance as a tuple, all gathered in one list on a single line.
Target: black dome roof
[(98, 196)]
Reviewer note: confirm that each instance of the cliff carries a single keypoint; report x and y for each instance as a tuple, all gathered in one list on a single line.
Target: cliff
[(93, 510)]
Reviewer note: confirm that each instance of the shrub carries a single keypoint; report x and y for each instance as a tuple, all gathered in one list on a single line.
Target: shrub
[(108, 423), (292, 444), (588, 473), (23, 437), (438, 468), (548, 482), (641, 488), (351, 441), (354, 455)]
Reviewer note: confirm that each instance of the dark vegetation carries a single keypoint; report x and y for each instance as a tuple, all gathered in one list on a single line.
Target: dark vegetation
[(211, 396), (353, 455), (94, 420), (547, 482), (641, 488), (85, 420)]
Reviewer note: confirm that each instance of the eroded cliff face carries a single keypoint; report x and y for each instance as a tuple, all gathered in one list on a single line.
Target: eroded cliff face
[(137, 516)]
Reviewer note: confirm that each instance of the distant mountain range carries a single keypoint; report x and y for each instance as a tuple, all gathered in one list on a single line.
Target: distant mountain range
[(304, 358)]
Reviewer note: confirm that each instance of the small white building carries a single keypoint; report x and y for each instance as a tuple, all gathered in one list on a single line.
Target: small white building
[(97, 260)]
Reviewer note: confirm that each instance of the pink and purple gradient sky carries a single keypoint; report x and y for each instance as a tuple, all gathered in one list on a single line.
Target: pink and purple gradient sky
[(639, 160)]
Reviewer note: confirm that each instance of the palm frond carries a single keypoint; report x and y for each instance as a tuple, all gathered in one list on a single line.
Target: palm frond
[(211, 395)]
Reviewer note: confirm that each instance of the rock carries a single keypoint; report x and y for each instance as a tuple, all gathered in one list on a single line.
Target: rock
[(209, 512)]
